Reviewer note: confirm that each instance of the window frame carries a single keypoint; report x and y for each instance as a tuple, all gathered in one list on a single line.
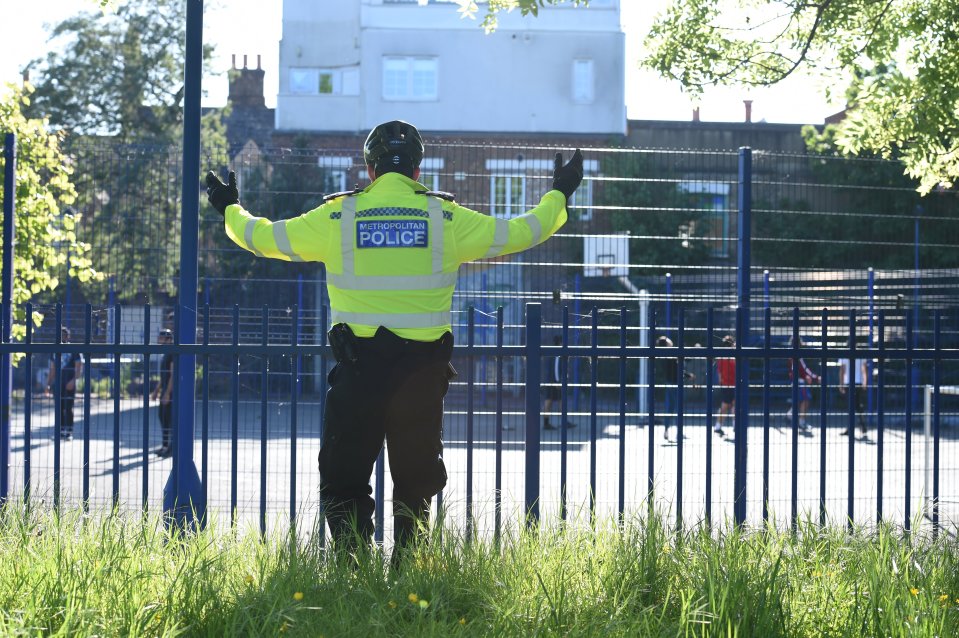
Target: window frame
[(508, 208), (590, 94), (409, 73)]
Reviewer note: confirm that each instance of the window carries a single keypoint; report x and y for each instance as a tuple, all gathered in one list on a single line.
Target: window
[(410, 78), (508, 195), (712, 197), (304, 81), (583, 83), (582, 200), (313, 81), (430, 169), (334, 171)]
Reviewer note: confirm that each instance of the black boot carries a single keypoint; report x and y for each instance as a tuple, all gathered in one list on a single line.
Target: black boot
[(348, 531), (410, 526)]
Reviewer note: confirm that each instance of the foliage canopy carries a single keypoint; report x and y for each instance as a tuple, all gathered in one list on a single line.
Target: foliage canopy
[(46, 238), (119, 75), (902, 57), (469, 9)]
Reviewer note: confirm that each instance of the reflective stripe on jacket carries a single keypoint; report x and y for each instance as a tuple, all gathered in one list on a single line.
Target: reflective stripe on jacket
[(392, 255)]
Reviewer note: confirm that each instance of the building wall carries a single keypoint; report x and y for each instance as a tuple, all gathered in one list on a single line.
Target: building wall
[(715, 136), (519, 79)]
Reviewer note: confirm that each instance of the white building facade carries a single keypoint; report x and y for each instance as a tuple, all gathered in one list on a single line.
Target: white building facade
[(347, 65)]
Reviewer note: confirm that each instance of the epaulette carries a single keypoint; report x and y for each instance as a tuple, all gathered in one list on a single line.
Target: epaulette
[(450, 197), (356, 190)]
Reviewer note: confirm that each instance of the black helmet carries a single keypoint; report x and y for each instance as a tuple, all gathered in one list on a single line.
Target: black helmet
[(398, 139)]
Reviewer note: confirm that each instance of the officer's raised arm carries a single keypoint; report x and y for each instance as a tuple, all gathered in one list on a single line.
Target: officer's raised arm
[(480, 236), (299, 239)]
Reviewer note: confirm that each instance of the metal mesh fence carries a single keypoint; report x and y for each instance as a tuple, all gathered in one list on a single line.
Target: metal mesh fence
[(651, 245)]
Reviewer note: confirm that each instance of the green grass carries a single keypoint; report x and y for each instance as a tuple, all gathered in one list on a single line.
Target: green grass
[(75, 575)]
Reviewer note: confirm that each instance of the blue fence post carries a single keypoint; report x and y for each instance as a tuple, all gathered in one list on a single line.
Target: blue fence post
[(577, 289), (184, 500), (621, 505), (669, 303), (6, 310), (742, 332), (299, 360), (533, 353), (871, 283), (765, 290), (470, 331)]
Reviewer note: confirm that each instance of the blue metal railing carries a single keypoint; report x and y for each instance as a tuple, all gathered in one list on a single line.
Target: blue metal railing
[(692, 416)]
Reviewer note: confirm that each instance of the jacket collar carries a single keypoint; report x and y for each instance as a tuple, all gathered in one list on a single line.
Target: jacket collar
[(395, 182)]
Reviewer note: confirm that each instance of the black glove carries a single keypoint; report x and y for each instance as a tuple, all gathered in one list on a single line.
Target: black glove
[(221, 195), (566, 178)]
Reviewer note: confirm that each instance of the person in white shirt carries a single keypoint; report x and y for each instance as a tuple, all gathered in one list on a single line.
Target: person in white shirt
[(861, 381)]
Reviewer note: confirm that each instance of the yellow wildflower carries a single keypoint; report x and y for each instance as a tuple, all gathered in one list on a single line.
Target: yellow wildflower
[(298, 596), (413, 598), (666, 549), (816, 574), (944, 599), (248, 579), (463, 620), (424, 604), (913, 591), (392, 604), (284, 627)]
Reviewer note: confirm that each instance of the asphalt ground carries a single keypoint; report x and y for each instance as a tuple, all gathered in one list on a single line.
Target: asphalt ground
[(602, 473)]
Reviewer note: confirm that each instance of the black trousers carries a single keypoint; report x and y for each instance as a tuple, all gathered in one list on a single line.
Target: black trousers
[(66, 411), (395, 391), (165, 412)]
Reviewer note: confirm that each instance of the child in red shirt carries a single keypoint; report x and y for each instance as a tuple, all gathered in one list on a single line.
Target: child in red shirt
[(726, 369)]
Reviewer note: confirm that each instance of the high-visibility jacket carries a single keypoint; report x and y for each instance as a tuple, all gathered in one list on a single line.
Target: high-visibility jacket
[(391, 253)]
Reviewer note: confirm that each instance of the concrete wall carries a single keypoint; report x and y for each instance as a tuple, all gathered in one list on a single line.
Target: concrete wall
[(520, 79)]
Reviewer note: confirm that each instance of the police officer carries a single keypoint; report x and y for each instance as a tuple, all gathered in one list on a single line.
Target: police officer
[(392, 251)]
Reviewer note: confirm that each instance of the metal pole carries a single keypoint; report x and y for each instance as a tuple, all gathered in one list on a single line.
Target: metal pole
[(6, 372), (742, 332), (533, 350), (765, 290), (669, 303), (299, 361), (184, 500), (644, 340), (871, 282)]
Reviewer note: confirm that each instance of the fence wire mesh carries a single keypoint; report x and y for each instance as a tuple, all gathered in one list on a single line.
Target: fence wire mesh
[(650, 251)]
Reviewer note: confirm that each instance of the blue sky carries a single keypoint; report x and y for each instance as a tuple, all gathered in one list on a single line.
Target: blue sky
[(252, 27)]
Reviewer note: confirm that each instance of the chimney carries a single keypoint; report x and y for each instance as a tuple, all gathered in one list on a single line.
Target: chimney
[(749, 110), (246, 86), (233, 63), (259, 67), (26, 76), (696, 114)]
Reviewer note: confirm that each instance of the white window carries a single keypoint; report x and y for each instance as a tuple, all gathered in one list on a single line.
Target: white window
[(582, 200), (507, 195), (410, 78), (312, 81), (583, 81), (304, 81), (430, 169)]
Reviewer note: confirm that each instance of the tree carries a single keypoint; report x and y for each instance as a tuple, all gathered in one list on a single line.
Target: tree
[(469, 9), (669, 225), (117, 88), (45, 225), (904, 55), (118, 74)]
